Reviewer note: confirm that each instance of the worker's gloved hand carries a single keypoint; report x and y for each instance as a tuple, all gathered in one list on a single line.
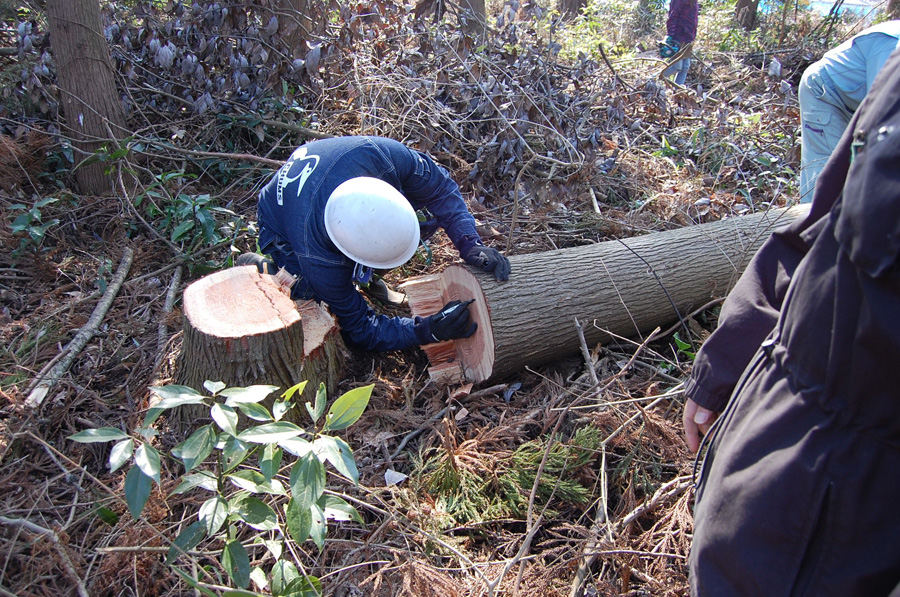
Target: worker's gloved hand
[(489, 260), (451, 322), (668, 47)]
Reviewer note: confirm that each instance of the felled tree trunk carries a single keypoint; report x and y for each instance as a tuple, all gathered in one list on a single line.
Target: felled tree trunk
[(242, 328), (616, 288)]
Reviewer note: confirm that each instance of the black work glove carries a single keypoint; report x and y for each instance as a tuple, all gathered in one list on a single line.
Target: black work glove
[(451, 322), (489, 260)]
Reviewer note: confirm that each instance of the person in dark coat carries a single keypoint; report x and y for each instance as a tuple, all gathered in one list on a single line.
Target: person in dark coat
[(342, 208), (681, 29), (797, 492)]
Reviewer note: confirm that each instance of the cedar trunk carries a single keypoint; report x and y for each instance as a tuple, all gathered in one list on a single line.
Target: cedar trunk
[(616, 288), (89, 99)]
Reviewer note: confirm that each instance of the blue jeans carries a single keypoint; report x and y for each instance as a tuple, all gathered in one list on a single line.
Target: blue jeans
[(679, 69)]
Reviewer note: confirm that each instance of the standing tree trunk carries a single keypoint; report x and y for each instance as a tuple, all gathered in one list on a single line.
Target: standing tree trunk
[(88, 95), (474, 17), (616, 288), (745, 13), (295, 25), (570, 9)]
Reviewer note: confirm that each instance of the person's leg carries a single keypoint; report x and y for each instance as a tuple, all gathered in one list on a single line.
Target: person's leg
[(683, 71), (674, 70), (821, 125)]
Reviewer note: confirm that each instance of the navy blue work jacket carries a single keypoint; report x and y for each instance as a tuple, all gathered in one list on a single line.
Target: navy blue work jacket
[(292, 225)]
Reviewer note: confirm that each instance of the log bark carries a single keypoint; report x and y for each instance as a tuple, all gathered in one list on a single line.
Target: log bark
[(616, 288), (242, 328)]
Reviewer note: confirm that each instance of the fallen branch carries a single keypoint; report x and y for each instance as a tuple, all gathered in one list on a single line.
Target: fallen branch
[(43, 383), (67, 564), (162, 330)]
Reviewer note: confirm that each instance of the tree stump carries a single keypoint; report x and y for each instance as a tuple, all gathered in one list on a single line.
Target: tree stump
[(242, 328), (616, 288)]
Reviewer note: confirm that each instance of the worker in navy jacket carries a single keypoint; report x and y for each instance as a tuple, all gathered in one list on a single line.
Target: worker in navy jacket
[(341, 208)]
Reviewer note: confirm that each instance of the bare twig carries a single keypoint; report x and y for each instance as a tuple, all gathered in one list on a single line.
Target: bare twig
[(162, 331), (66, 562), (42, 385)]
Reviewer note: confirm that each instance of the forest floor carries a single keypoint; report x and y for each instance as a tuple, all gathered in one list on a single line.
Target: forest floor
[(622, 527)]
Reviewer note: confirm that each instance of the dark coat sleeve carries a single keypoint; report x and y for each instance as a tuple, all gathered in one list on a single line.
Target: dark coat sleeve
[(752, 308)]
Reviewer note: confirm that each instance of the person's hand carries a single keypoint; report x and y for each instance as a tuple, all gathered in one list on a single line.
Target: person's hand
[(451, 322), (697, 421), (489, 260)]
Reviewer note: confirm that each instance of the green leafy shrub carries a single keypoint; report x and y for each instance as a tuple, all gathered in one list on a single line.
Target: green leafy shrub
[(243, 494)]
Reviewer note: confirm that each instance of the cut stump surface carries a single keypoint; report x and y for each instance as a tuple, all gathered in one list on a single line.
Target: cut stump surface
[(242, 328)]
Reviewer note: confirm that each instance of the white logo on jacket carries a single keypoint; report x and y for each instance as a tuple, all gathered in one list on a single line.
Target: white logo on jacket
[(298, 157)]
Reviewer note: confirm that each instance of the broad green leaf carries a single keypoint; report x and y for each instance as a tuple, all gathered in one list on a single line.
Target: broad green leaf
[(308, 586), (296, 446), (107, 516), (148, 433), (295, 389), (197, 447), (137, 490), (120, 454), (167, 393), (248, 395), (45, 201), (203, 480), (174, 391), (347, 409), (241, 592), (257, 412), (234, 451), (279, 408), (283, 573), (213, 514), (307, 480), (214, 387), (147, 459), (254, 482), (275, 547), (270, 433), (338, 453), (319, 526), (225, 417), (181, 230), (321, 399), (102, 434), (270, 461), (299, 521), (187, 540), (175, 401), (336, 508), (259, 578), (236, 563), (254, 512)]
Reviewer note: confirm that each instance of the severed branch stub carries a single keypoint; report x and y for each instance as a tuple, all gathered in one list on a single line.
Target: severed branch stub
[(242, 328), (617, 288)]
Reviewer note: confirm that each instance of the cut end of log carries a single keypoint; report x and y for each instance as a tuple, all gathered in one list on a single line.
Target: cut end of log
[(455, 361), (228, 304)]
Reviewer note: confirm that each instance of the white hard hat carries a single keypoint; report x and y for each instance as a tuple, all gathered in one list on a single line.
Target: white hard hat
[(372, 223)]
